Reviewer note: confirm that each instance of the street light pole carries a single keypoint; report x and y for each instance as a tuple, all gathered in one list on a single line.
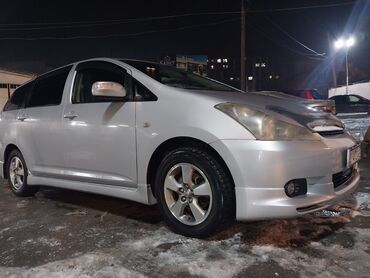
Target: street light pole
[(243, 80), (347, 72), (346, 44)]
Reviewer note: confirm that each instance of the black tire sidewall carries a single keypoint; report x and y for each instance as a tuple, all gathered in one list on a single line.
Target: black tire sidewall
[(214, 218)]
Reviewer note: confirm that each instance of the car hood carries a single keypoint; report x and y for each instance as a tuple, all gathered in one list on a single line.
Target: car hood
[(282, 106)]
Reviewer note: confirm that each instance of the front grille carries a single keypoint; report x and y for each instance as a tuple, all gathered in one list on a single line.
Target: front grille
[(331, 132), (342, 177)]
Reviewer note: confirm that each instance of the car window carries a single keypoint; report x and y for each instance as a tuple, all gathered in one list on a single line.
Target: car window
[(17, 99), (362, 98), (316, 94), (340, 99), (354, 99), (91, 72), (142, 93), (48, 89), (178, 78)]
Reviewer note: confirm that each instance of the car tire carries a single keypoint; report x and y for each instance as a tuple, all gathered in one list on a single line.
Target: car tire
[(195, 192), (17, 175)]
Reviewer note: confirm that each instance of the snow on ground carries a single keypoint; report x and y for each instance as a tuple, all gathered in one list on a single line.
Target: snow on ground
[(357, 125), (46, 237), (88, 265), (157, 250), (227, 254), (363, 203)]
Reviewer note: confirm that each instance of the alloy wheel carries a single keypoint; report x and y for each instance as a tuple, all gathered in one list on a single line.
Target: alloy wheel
[(16, 172), (188, 194)]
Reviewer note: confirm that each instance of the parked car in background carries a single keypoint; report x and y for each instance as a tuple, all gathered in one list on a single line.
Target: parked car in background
[(306, 93), (324, 105), (205, 152), (351, 104)]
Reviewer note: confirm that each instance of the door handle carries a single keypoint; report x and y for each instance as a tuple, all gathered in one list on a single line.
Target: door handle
[(21, 118), (70, 115)]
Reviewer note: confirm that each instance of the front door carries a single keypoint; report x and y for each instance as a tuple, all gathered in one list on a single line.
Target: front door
[(99, 146)]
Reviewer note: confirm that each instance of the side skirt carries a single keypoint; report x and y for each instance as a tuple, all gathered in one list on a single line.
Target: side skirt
[(142, 193)]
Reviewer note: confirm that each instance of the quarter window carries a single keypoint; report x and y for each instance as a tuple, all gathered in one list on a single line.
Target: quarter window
[(17, 99), (142, 93), (48, 89), (89, 73)]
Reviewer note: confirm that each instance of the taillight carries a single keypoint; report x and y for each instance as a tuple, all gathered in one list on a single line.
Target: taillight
[(308, 95)]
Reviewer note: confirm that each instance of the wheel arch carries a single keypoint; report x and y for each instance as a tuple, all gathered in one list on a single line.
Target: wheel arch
[(176, 142)]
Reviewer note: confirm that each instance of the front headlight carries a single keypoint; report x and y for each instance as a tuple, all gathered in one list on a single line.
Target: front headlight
[(264, 126)]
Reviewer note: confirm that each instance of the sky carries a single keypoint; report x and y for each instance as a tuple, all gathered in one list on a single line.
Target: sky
[(35, 35)]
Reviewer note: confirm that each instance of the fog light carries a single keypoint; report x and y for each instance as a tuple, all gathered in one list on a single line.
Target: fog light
[(296, 187)]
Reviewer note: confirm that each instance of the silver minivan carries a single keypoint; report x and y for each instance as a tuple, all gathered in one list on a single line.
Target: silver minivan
[(205, 152)]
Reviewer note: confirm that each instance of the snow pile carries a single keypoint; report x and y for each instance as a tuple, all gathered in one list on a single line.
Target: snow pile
[(363, 204), (356, 125)]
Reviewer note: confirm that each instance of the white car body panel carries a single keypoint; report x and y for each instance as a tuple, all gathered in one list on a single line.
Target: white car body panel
[(107, 148)]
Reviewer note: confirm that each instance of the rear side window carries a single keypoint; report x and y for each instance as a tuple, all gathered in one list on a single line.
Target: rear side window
[(354, 99), (48, 89), (17, 99)]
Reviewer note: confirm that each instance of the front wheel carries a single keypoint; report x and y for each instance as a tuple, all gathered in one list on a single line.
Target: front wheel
[(17, 175), (195, 193)]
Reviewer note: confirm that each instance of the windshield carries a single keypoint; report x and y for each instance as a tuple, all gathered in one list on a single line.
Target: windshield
[(174, 77)]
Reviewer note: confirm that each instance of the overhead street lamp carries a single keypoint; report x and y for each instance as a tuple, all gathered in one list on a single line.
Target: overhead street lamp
[(346, 44)]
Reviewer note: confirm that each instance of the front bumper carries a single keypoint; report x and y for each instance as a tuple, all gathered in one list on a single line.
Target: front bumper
[(260, 170)]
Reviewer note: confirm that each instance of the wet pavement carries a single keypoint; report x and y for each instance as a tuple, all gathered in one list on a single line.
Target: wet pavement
[(63, 233)]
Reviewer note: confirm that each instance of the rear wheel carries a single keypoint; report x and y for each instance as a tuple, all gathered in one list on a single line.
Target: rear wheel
[(195, 194), (17, 175)]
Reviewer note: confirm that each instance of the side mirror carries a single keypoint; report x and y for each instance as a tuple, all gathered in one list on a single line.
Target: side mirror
[(108, 89)]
